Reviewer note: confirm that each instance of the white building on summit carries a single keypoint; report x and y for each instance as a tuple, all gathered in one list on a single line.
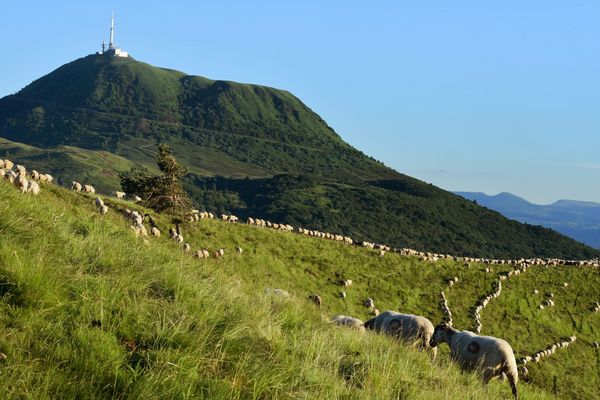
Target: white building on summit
[(112, 49)]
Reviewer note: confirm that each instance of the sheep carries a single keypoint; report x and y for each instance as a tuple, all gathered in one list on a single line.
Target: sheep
[(343, 294), (239, 250), (8, 164), (21, 169), (346, 282), (1, 163), (414, 329), (492, 355), (350, 322), (76, 186), (369, 303), (47, 178), (186, 247), (2, 173), (35, 175), (89, 189), (155, 232), (316, 299), (120, 195), (11, 176), (375, 312), (99, 203), (137, 199), (33, 188), (21, 182), (103, 209)]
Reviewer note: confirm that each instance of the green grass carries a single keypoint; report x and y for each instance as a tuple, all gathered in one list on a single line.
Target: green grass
[(89, 311)]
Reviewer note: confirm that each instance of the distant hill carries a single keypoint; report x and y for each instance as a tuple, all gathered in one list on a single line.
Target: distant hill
[(250, 150), (577, 219)]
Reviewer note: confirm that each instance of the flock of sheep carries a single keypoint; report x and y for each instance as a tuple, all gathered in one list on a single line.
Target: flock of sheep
[(25, 183), (492, 355)]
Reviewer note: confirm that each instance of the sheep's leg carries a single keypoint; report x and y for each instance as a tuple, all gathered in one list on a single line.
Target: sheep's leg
[(513, 387)]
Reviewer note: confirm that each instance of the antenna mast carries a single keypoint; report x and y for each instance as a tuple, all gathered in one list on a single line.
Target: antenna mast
[(111, 44)]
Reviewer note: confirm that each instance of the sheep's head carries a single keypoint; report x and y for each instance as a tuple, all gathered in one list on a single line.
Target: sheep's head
[(440, 334)]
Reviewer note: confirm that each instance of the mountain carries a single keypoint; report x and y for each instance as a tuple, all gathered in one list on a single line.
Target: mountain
[(577, 219), (250, 150)]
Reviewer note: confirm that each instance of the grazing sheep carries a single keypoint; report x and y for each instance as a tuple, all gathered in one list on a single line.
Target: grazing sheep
[(35, 175), (21, 182), (315, 298), (89, 189), (47, 178), (103, 210), (76, 186), (156, 232), (137, 199), (8, 164), (350, 322), (2, 173), (343, 294), (346, 282), (375, 312), (33, 188), (186, 247), (239, 250), (11, 176), (21, 170), (99, 203), (369, 303), (492, 355), (120, 195), (407, 327)]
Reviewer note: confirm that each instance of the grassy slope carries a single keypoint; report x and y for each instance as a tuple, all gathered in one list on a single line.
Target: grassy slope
[(89, 311), (126, 107)]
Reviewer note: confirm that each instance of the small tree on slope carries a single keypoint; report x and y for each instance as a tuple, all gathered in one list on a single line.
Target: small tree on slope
[(163, 193)]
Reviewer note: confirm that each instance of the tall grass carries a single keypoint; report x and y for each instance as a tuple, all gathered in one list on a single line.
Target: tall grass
[(89, 311)]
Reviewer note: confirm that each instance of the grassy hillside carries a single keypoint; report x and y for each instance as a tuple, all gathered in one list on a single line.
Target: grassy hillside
[(249, 149), (90, 311)]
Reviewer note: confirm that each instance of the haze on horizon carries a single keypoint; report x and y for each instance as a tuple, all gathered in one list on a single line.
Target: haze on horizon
[(468, 96)]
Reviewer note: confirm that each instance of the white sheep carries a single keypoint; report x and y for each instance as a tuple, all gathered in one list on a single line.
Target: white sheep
[(99, 203), (21, 182), (120, 195), (89, 189), (493, 356), (76, 186), (2, 173), (8, 164), (1, 163), (21, 170), (350, 322), (186, 247), (413, 329), (239, 250), (33, 188), (103, 209), (369, 303), (35, 175), (155, 232)]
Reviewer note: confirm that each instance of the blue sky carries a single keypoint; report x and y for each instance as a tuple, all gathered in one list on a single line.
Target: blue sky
[(478, 96)]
